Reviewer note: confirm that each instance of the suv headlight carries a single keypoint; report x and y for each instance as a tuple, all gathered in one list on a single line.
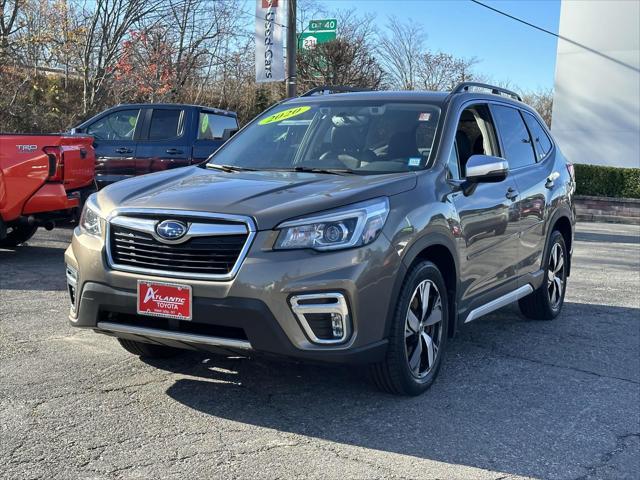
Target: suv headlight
[(90, 219), (346, 227)]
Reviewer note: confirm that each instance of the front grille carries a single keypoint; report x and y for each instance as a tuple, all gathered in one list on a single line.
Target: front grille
[(212, 255)]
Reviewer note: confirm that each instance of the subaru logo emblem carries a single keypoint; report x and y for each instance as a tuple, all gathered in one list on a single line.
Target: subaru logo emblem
[(171, 229)]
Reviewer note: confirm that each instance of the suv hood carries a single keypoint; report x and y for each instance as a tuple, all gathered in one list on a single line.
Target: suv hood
[(269, 197)]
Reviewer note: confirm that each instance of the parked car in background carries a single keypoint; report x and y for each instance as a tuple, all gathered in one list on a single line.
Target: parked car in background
[(355, 228), (43, 179), (134, 139)]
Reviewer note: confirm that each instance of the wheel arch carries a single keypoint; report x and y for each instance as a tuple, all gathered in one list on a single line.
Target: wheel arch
[(562, 223), (439, 249)]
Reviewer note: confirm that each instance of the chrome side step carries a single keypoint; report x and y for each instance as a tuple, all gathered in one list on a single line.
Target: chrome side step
[(176, 336), (499, 302)]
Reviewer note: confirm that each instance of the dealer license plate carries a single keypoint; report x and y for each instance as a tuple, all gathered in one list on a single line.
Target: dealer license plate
[(170, 300)]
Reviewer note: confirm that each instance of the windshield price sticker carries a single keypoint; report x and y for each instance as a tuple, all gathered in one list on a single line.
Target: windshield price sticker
[(283, 115)]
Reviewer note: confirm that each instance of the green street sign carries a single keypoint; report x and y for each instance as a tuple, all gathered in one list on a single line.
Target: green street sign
[(309, 40), (328, 24), (318, 31)]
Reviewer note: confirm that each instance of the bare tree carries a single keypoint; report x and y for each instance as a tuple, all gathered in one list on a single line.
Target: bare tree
[(400, 51), (107, 25), (9, 10), (542, 101), (348, 60), (440, 71)]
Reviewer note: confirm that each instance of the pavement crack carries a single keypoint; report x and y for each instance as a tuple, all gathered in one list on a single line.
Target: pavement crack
[(133, 385), (605, 458)]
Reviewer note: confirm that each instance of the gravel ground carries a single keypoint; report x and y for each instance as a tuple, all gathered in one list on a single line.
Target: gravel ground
[(514, 399)]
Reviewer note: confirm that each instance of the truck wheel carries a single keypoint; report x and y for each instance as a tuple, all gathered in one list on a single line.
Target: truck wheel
[(148, 350), (418, 334), (546, 302), (17, 235)]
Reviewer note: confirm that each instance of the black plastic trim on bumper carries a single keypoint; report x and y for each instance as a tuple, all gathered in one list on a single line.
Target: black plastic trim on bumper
[(260, 326)]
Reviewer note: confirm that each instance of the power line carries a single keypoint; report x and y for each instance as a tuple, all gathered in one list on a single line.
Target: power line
[(561, 37)]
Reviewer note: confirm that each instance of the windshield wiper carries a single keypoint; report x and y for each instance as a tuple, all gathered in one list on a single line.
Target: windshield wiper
[(332, 171), (230, 168)]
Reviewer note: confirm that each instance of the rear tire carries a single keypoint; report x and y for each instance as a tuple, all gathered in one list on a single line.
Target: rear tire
[(148, 350), (546, 302), (17, 235), (418, 334)]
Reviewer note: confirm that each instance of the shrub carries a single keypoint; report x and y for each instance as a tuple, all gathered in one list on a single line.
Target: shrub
[(607, 181)]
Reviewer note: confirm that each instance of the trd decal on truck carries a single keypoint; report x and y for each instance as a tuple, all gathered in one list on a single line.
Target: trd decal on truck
[(26, 148)]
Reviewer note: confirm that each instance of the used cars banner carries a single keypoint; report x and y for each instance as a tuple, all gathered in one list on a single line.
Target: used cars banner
[(269, 50)]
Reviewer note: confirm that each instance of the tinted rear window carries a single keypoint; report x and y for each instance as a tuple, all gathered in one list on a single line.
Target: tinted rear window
[(515, 136), (165, 124), (211, 126), (541, 140)]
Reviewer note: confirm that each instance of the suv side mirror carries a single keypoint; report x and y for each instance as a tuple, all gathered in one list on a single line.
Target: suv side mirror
[(228, 133), (486, 169)]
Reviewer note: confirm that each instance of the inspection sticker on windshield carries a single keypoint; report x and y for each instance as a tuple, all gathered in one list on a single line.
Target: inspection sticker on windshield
[(424, 117), (169, 300), (414, 161), (283, 115)]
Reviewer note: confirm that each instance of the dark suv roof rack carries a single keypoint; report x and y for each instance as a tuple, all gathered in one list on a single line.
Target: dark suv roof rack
[(464, 87), (333, 89)]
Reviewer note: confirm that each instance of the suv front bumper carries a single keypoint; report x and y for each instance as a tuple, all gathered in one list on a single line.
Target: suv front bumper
[(251, 311)]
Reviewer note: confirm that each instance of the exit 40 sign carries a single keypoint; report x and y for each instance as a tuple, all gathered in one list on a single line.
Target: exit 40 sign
[(319, 31), (329, 24)]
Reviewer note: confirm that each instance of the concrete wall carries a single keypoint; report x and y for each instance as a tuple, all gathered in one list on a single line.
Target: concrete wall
[(596, 109)]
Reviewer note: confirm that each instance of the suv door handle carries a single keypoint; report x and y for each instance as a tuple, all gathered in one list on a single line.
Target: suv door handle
[(174, 151), (123, 150), (551, 180), (511, 194)]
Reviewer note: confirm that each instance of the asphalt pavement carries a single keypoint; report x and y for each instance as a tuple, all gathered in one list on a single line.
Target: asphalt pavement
[(514, 399)]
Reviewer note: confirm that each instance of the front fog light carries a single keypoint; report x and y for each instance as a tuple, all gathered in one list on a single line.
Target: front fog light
[(72, 285), (323, 316), (337, 325)]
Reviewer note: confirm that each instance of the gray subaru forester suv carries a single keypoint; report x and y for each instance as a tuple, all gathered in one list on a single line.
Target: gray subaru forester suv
[(359, 228)]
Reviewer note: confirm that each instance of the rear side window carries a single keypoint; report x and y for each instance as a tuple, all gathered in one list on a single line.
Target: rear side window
[(515, 137), (118, 126), (211, 126), (166, 124), (541, 140)]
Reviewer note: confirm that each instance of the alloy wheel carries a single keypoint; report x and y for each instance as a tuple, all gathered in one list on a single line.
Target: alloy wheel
[(555, 276), (423, 329)]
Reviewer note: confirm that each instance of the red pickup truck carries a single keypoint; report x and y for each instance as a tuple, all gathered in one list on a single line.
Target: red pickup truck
[(43, 179)]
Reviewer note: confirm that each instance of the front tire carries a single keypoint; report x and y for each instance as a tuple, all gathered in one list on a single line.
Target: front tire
[(17, 235), (148, 350), (418, 334), (546, 302)]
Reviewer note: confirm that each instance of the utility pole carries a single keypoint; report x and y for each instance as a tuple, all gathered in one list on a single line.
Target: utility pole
[(291, 49)]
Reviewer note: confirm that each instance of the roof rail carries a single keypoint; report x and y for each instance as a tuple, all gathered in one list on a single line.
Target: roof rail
[(464, 87), (333, 89)]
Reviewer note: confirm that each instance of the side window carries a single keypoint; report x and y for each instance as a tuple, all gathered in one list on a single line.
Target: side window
[(211, 126), (119, 125), (515, 137), (475, 135), (166, 124), (541, 140)]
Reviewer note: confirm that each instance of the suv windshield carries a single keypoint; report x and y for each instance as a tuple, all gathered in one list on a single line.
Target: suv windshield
[(351, 137)]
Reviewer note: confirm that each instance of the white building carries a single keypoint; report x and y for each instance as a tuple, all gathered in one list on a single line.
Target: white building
[(596, 109)]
